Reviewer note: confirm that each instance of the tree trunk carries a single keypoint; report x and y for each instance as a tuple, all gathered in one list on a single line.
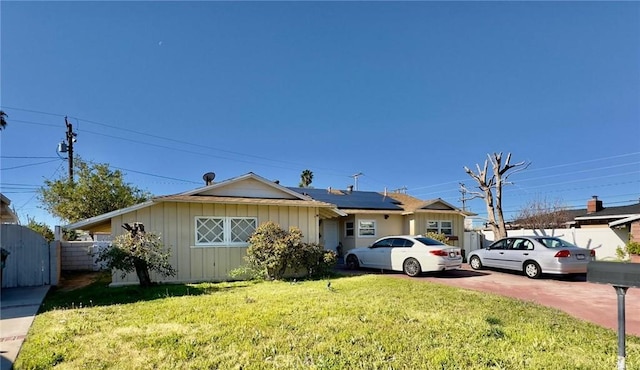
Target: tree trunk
[(142, 270)]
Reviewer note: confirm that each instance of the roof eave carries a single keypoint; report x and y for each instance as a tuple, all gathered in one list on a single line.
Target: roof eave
[(87, 223)]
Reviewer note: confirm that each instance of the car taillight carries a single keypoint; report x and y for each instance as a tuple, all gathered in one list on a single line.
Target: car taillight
[(439, 252), (563, 253), (593, 253)]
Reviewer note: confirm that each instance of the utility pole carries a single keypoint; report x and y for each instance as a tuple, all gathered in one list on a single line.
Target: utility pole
[(464, 198), (71, 138)]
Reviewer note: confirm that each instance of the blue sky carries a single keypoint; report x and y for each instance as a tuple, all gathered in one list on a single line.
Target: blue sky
[(407, 93)]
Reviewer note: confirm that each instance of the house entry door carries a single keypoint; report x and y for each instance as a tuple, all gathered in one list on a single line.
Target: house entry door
[(330, 234)]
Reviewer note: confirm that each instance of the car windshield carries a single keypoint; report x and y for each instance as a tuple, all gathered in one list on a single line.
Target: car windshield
[(428, 241), (554, 243)]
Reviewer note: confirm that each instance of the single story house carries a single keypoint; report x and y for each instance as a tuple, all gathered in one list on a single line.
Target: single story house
[(623, 218), (207, 228)]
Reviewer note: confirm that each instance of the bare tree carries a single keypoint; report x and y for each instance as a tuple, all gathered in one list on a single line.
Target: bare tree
[(488, 183), (541, 214)]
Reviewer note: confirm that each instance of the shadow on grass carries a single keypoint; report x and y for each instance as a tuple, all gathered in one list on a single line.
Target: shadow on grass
[(98, 293)]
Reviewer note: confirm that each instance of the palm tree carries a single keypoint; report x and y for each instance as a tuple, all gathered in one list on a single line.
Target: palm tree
[(3, 121), (306, 178)]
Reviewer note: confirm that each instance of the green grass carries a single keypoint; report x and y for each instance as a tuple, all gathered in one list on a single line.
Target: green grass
[(364, 322)]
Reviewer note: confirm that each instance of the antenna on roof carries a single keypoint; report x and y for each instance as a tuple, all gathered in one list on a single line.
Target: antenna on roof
[(208, 178), (355, 179)]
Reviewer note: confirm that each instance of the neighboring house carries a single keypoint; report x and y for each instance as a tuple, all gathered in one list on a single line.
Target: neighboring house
[(623, 219), (207, 228), (7, 216), (372, 215)]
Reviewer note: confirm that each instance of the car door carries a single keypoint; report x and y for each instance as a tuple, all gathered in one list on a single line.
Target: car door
[(494, 254), (379, 254), (400, 251), (517, 252)]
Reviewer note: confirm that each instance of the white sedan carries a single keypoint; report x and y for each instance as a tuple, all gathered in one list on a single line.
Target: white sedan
[(410, 254)]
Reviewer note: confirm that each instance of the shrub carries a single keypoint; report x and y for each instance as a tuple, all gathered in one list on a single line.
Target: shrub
[(140, 252), (314, 259), (633, 247), (272, 250), (438, 236)]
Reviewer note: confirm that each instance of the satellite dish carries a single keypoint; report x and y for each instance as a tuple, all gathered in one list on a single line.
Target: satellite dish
[(208, 177)]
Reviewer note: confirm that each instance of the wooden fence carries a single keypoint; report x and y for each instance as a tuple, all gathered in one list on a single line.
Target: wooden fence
[(32, 261)]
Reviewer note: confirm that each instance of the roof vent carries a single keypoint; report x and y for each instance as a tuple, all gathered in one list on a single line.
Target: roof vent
[(329, 190), (350, 189), (208, 178)]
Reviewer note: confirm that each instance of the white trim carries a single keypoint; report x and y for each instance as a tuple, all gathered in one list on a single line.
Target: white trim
[(624, 221), (606, 217), (226, 232), (439, 227), (353, 229), (375, 229), (105, 216)]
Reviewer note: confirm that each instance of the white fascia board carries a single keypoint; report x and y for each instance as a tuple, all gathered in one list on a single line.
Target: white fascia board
[(624, 221), (105, 216)]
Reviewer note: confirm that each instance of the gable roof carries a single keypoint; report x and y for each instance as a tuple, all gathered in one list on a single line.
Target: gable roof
[(246, 189)]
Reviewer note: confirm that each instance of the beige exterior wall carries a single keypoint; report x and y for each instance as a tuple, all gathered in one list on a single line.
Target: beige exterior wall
[(393, 225), (175, 222), (421, 219)]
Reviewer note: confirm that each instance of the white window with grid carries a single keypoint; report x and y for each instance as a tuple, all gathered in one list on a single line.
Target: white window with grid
[(367, 228), (217, 231), (440, 227)]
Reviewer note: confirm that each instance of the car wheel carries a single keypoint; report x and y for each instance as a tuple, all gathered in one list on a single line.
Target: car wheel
[(532, 270), (475, 263), (411, 267), (352, 262)]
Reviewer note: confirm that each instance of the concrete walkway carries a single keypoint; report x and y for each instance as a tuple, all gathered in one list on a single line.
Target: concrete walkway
[(19, 307)]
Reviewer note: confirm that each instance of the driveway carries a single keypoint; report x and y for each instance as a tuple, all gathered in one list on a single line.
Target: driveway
[(596, 303)]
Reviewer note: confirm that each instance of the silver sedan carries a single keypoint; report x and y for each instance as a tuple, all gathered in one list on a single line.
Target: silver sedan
[(533, 255)]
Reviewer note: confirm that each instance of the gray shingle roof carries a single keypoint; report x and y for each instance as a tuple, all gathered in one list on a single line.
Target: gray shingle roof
[(620, 211)]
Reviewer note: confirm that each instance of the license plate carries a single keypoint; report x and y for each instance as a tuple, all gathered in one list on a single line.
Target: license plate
[(580, 256)]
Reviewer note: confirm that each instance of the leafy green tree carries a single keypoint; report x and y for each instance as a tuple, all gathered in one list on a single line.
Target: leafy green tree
[(98, 190), (3, 120), (306, 177), (137, 251), (41, 228)]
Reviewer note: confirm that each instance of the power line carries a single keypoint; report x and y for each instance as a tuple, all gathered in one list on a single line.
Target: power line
[(24, 157), (28, 165)]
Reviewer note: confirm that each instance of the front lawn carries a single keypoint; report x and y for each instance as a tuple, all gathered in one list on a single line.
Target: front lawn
[(360, 322)]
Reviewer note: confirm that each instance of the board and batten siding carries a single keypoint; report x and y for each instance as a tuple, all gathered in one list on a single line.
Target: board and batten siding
[(420, 224), (175, 223)]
